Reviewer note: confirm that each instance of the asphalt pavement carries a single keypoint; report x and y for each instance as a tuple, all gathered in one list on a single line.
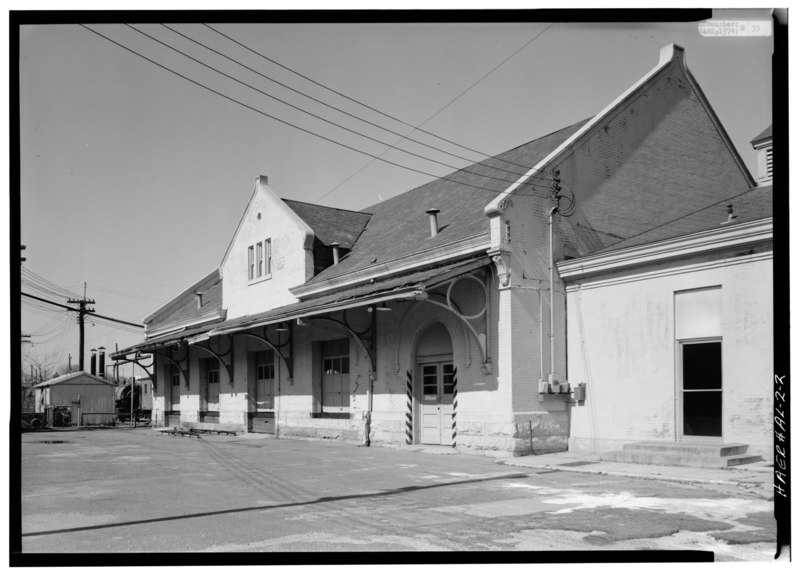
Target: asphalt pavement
[(140, 491)]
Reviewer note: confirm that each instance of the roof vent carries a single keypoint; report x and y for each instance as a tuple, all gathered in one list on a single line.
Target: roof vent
[(335, 247), (199, 296), (434, 221), (731, 216)]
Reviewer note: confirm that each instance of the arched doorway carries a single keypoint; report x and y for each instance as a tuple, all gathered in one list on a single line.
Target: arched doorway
[(435, 386)]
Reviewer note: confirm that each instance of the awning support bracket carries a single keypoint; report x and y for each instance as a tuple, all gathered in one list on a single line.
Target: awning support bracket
[(276, 347), (224, 357)]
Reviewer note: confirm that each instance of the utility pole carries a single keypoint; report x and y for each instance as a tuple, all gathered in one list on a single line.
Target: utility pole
[(82, 311)]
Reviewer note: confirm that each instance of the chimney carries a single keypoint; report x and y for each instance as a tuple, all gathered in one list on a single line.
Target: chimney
[(93, 362), (335, 247), (101, 366), (434, 221)]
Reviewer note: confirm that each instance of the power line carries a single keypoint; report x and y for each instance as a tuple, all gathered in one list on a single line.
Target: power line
[(312, 98), (251, 108), (378, 111), (448, 104), (123, 293), (94, 315), (335, 124), (681, 217)]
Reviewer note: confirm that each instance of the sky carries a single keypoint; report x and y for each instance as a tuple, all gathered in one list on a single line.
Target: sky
[(133, 179)]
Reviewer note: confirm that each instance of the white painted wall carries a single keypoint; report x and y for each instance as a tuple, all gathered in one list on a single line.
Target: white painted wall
[(621, 343), (266, 217)]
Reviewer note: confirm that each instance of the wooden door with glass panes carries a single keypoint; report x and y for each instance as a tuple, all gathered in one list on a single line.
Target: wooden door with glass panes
[(436, 403), (336, 376), (212, 385), (175, 390)]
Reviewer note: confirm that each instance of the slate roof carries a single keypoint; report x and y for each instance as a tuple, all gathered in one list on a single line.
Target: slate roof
[(751, 205), (399, 226), (331, 224), (766, 134), (184, 306)]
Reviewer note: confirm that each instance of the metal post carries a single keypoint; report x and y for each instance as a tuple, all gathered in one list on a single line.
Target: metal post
[(132, 388)]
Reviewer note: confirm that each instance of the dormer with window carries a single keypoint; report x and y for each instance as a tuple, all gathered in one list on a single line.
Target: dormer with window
[(763, 146)]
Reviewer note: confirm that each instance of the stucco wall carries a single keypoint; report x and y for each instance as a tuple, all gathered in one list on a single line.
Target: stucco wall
[(266, 217), (622, 344)]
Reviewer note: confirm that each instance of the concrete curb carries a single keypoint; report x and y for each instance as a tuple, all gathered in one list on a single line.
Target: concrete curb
[(755, 490)]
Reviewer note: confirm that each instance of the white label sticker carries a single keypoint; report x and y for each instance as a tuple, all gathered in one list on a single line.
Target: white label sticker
[(735, 28)]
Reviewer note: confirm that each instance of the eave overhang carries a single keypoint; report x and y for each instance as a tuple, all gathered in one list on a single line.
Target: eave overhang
[(412, 286), (476, 244), (732, 236)]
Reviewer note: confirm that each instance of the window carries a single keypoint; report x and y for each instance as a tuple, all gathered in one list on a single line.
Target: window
[(259, 260), (336, 376)]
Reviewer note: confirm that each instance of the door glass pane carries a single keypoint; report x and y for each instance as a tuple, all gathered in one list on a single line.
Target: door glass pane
[(447, 378), (702, 413), (430, 381), (702, 365)]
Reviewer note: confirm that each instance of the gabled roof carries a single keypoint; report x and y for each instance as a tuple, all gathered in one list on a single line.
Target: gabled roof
[(331, 224), (763, 136), (755, 204), (670, 55), (74, 376), (399, 227)]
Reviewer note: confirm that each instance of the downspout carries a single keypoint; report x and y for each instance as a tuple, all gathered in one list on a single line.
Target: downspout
[(541, 337)]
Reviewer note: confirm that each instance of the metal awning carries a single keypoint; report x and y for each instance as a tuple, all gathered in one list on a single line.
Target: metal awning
[(413, 285)]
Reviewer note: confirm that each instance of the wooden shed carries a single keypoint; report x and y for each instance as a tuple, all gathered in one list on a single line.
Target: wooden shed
[(88, 399)]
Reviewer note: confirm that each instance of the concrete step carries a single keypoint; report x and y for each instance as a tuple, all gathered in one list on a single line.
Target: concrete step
[(689, 448), (680, 459)]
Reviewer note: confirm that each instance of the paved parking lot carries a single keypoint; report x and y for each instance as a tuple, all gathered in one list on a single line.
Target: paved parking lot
[(138, 491)]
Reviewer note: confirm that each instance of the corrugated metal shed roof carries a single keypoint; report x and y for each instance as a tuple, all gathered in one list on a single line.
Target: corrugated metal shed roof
[(75, 376)]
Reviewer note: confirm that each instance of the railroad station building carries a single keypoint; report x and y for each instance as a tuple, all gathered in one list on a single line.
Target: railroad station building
[(497, 310)]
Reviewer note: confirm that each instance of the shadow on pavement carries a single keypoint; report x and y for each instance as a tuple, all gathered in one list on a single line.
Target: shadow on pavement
[(320, 500)]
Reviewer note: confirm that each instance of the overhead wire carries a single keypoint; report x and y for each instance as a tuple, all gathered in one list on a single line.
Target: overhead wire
[(378, 111), (260, 112), (652, 228), (335, 124), (344, 112)]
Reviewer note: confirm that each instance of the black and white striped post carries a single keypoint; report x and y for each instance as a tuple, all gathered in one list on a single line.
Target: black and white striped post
[(409, 410), (455, 404)]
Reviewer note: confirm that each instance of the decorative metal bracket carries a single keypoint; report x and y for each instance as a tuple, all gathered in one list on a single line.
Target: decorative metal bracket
[(365, 339), (225, 357), (181, 362), (149, 368), (451, 306), (282, 349)]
